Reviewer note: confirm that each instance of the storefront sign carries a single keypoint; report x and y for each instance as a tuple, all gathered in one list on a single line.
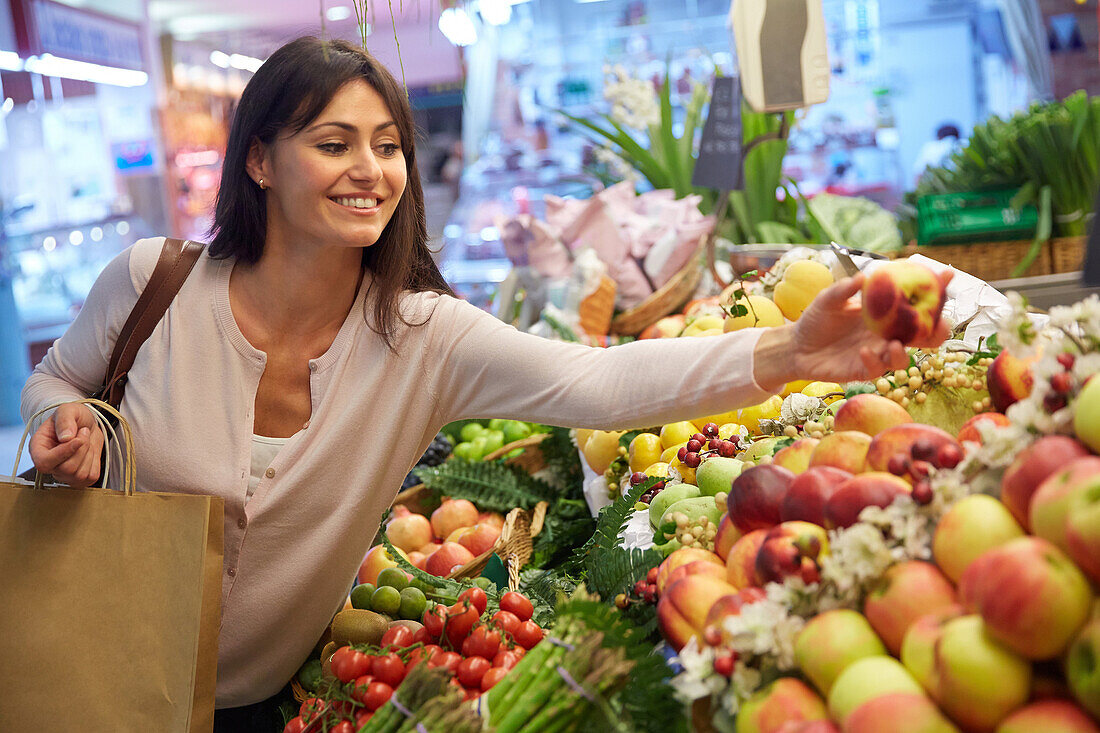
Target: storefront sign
[(45, 27), (719, 164)]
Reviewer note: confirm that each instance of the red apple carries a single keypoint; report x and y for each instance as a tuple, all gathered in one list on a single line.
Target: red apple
[(870, 414), (900, 439), (796, 456), (376, 560), (1048, 716), (791, 549), (974, 524), (908, 591), (667, 327), (898, 712), (1083, 529), (1009, 380), (809, 492), (1030, 595), (830, 642), (902, 301), (860, 492), (756, 495), (480, 538), (918, 647), (846, 450), (448, 558), (1049, 508), (697, 567), (1032, 467), (808, 726), (786, 700)]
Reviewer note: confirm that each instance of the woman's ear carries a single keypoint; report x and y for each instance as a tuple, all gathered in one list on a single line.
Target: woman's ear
[(258, 162)]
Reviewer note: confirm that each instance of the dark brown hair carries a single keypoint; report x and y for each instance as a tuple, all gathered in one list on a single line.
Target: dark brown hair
[(288, 92)]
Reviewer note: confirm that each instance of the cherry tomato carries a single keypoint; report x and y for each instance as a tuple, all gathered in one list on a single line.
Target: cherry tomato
[(421, 636), (477, 597), (506, 621), (433, 620), (518, 604), (295, 725), (470, 693), (461, 617), (482, 642), (472, 669), (447, 660), (423, 654), (528, 634), (398, 637), (378, 694), (388, 668), (348, 663), (311, 708), (519, 651), (344, 726), (362, 718), (493, 676), (506, 659), (359, 688)]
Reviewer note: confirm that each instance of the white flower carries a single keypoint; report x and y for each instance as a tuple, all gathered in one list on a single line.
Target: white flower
[(698, 678), (1015, 331), (633, 101), (797, 408)]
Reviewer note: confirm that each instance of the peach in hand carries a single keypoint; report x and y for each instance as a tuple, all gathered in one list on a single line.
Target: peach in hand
[(903, 301)]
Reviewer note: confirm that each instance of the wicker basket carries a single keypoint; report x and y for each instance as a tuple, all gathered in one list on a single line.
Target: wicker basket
[(514, 546), (988, 260), (1067, 254), (667, 298)]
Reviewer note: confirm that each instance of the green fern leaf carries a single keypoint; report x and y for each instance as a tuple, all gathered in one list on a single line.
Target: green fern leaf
[(492, 486)]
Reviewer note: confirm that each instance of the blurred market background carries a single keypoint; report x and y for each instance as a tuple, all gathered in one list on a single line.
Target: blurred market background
[(114, 116)]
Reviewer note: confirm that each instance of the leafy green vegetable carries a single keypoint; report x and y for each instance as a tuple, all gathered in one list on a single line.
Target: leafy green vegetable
[(856, 222)]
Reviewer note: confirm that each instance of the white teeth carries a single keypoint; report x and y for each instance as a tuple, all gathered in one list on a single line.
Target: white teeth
[(357, 203)]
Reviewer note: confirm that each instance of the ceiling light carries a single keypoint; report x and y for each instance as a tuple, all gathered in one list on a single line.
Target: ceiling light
[(338, 12), (7, 106), (10, 61), (246, 63), (76, 238), (49, 243), (495, 12), (50, 65), (219, 59), (456, 25)]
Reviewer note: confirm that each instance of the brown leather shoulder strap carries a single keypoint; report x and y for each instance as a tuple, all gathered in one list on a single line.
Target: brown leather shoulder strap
[(177, 258)]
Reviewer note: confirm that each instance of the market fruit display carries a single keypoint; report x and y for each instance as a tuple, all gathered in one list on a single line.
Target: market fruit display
[(454, 535)]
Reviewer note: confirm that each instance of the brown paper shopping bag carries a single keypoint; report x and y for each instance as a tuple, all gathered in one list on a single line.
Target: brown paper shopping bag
[(109, 606)]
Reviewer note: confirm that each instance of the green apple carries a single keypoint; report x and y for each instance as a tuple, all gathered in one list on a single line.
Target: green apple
[(471, 430), (830, 642), (973, 525), (1086, 421), (716, 474), (785, 701), (866, 679), (494, 440), (515, 430), (1083, 667)]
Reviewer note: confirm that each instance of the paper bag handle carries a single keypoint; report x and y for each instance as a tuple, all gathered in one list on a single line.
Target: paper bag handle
[(126, 450)]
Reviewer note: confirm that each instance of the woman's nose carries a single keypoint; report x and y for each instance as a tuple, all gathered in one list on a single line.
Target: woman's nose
[(366, 167)]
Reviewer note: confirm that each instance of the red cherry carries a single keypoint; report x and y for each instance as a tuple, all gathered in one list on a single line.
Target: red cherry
[(898, 464), (1061, 382), (639, 587), (657, 487), (651, 576), (694, 446), (681, 453), (712, 635), (637, 477), (710, 428), (922, 492), (1054, 402), (700, 437), (723, 665), (920, 469), (949, 456), (714, 444), (692, 460), (727, 449), (1066, 360), (923, 450)]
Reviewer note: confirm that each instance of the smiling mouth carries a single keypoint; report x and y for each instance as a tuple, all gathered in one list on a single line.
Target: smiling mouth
[(355, 203)]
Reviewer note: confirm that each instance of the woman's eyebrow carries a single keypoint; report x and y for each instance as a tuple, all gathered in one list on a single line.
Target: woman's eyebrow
[(349, 127)]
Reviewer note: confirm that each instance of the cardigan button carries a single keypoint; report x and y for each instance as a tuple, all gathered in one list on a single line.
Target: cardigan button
[(270, 473)]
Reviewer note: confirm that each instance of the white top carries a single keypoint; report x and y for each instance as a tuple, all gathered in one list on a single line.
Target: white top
[(264, 450), (292, 551)]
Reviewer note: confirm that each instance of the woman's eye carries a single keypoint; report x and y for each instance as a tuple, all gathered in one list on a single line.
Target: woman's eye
[(333, 147), (390, 149)]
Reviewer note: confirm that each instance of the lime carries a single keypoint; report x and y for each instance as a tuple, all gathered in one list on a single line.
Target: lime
[(515, 430), (494, 439), (394, 578), (482, 582), (387, 600), (309, 676), (498, 423), (361, 595), (413, 603), (471, 430), (464, 451), (477, 448)]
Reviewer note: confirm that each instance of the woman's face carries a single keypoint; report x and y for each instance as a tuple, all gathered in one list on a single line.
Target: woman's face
[(339, 180)]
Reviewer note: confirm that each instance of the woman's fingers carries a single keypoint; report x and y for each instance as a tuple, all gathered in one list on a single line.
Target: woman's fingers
[(48, 455)]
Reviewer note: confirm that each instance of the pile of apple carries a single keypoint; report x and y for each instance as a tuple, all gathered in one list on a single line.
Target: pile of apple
[(455, 534)]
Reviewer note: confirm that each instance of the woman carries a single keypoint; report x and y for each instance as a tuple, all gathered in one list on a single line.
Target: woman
[(315, 351)]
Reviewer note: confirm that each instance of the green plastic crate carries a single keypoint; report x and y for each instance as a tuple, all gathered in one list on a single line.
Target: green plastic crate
[(958, 218)]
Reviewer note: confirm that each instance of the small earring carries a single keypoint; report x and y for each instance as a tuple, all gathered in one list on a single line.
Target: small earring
[(262, 186)]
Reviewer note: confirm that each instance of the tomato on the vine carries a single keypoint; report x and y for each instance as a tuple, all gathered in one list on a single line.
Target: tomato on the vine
[(447, 660), (295, 725), (506, 659), (493, 676), (422, 654), (472, 669), (482, 642), (388, 668), (398, 637), (362, 718), (421, 636), (477, 597), (518, 604), (359, 688), (528, 634), (378, 694), (311, 708), (344, 726), (506, 621), (461, 617), (433, 620), (348, 663)]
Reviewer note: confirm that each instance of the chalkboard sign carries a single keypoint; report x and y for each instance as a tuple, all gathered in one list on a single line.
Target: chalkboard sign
[(719, 164)]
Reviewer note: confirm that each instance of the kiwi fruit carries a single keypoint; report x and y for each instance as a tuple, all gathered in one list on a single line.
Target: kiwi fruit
[(326, 659), (358, 626)]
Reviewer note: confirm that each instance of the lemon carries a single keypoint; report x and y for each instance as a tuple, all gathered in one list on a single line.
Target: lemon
[(762, 314), (720, 418), (766, 410), (601, 448), (728, 430), (703, 323), (677, 432), (796, 386), (801, 283), (670, 452), (644, 450), (687, 473), (387, 600), (394, 578), (820, 389), (657, 469)]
